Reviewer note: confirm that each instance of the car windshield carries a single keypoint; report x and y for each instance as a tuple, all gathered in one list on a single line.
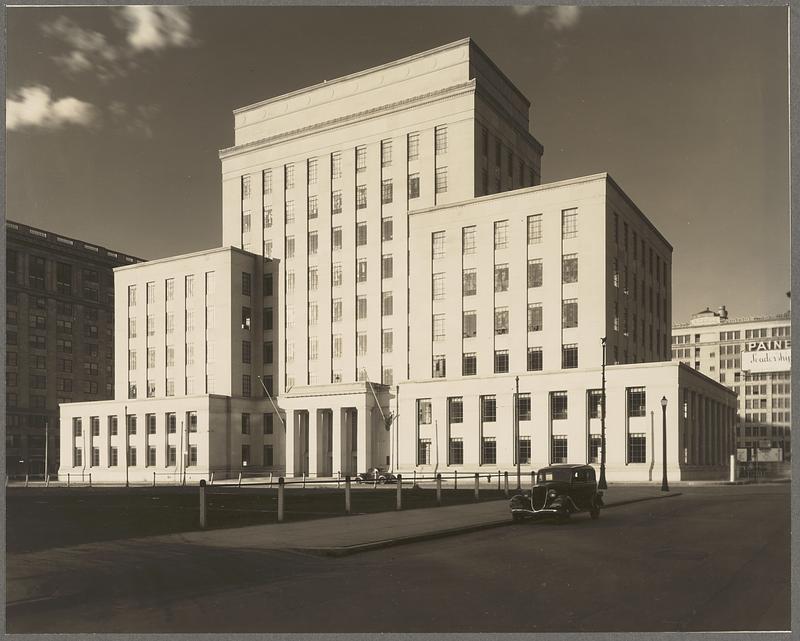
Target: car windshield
[(554, 475)]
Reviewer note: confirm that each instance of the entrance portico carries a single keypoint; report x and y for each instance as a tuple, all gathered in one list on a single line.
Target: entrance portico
[(336, 429)]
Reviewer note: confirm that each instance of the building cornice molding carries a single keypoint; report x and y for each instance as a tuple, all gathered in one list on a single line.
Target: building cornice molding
[(486, 95), (440, 95)]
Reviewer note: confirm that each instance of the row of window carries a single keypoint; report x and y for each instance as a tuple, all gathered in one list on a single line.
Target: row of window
[(189, 287), (763, 332), (171, 456), (653, 259), (64, 277), (190, 387)]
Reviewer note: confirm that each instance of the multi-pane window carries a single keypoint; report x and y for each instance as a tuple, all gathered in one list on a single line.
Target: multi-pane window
[(387, 341), (312, 171), (534, 317), (288, 173), (131, 295), (313, 243), (637, 401), (361, 159), (336, 310), (559, 453), (488, 450), (500, 361), (246, 385), (468, 235), (569, 356), (439, 366), (336, 239), (361, 196), (387, 304), (266, 319), (439, 286), (245, 187), (501, 278), (313, 348), (386, 153), (455, 409), (438, 244), (558, 405), (424, 451), (440, 139), (438, 327), (637, 448), (336, 164), (569, 268), (289, 211), (569, 223), (524, 450), (595, 402), (424, 411), (501, 320), (387, 229), (246, 283), (535, 272), (469, 282), (336, 275), (569, 312), (336, 345), (361, 270), (534, 359), (386, 191), (246, 219), (413, 146), (266, 180), (469, 364), (501, 234), (246, 351), (413, 186), (361, 344), (470, 324), (524, 406), (336, 202), (534, 229), (313, 207), (361, 307), (387, 266), (456, 451), (361, 233), (441, 180), (488, 408)]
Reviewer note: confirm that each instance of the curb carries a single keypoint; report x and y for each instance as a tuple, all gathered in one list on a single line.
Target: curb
[(348, 550)]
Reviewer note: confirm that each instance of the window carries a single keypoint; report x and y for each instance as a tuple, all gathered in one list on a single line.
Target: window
[(77, 457), (63, 278), (534, 359), (424, 451), (387, 266), (637, 401), (637, 448), (289, 211), (246, 221), (524, 450), (191, 421), (438, 286), (439, 366), (245, 187), (469, 364), (387, 229), (361, 270), (488, 450), (312, 171), (558, 405), (440, 139), (361, 344), (313, 207), (246, 284), (336, 309), (569, 356), (534, 229), (361, 197), (559, 453), (192, 455), (456, 451), (266, 180), (413, 186), (336, 202), (469, 324), (131, 295), (246, 385), (387, 304), (569, 268), (36, 272), (501, 278), (469, 284), (361, 307), (534, 317), (386, 153), (468, 240), (438, 244), (246, 351), (387, 341), (500, 361), (501, 320), (535, 272), (569, 313), (288, 174), (413, 146), (266, 319), (455, 409), (77, 429), (361, 234), (441, 180), (245, 423), (361, 159), (336, 239), (386, 191), (336, 164), (501, 234), (438, 327), (246, 315), (488, 408), (424, 411), (569, 223)]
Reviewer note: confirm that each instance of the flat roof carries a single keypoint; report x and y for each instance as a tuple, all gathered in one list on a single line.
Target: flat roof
[(202, 252), (784, 316)]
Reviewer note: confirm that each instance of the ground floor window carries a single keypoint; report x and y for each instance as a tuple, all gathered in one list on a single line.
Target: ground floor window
[(268, 456), (151, 456), (131, 457), (192, 455), (245, 455), (95, 457), (637, 448), (424, 451), (77, 457), (524, 450), (488, 451), (595, 443), (113, 457), (172, 456), (559, 454), (456, 451)]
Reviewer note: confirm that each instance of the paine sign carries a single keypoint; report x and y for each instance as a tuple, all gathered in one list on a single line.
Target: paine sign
[(767, 356)]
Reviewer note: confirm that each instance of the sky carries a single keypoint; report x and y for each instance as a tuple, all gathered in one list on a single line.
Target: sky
[(115, 116)]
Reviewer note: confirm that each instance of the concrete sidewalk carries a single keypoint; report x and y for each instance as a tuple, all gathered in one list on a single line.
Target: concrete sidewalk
[(72, 571)]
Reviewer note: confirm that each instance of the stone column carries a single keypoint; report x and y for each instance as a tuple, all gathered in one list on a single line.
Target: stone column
[(336, 445), (313, 454), (363, 441), (291, 431)]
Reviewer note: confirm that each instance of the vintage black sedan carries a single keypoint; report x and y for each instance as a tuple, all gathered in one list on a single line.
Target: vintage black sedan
[(375, 476), (560, 490)]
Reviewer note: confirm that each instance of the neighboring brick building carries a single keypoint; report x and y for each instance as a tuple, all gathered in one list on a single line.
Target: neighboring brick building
[(60, 336)]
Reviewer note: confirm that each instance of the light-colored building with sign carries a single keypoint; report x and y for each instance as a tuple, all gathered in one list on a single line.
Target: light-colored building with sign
[(391, 265), (751, 356)]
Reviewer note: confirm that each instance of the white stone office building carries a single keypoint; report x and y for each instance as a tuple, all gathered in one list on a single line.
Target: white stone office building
[(391, 263), (752, 357)]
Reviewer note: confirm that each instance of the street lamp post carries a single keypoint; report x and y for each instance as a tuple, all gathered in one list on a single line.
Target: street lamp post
[(664, 484), (516, 432), (601, 484)]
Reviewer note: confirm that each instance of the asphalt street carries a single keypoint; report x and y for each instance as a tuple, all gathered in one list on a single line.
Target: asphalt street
[(715, 558)]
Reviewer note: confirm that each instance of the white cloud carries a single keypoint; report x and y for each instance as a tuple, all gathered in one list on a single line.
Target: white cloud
[(154, 27), (88, 50), (135, 120), (559, 18), (34, 106)]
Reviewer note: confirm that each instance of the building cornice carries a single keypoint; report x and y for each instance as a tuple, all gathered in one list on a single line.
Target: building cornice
[(509, 117), (439, 95), (202, 252), (785, 316)]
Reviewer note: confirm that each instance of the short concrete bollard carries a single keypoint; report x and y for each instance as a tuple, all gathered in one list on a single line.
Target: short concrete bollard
[(304, 480), (154, 479), (202, 504), (68, 480), (211, 480), (270, 478), (47, 480), (477, 486), (338, 479), (280, 500), (90, 479), (239, 482), (26, 480), (505, 482), (347, 494), (455, 480), (498, 480), (414, 483), (399, 491), (733, 468), (438, 489)]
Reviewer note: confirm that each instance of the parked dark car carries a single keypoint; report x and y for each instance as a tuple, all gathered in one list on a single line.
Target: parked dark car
[(560, 490), (372, 477)]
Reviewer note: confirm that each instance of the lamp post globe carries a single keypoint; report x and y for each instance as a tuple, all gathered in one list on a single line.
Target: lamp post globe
[(664, 483)]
